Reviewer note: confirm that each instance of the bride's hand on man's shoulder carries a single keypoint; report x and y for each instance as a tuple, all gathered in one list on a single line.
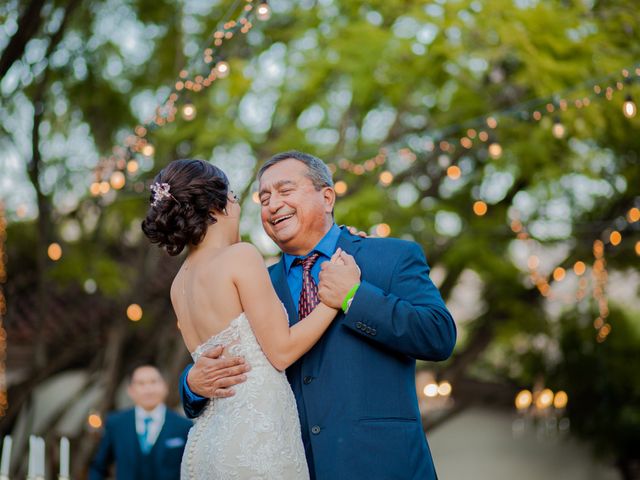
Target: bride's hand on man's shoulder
[(355, 231)]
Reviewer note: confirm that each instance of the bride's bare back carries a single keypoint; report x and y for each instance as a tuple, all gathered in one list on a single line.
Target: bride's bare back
[(204, 296)]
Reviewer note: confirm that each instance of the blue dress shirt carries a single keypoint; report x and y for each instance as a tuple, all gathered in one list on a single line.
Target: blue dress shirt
[(326, 247)]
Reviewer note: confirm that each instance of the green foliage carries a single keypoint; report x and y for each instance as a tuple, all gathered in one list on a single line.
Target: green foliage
[(600, 380), (343, 80)]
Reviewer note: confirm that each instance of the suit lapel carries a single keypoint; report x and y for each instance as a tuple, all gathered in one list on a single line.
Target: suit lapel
[(279, 280), (349, 243), (132, 434)]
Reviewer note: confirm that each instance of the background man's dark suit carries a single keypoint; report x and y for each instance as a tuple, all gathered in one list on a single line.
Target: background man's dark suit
[(120, 444)]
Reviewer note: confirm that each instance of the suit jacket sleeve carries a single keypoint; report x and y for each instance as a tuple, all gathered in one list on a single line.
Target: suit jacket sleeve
[(99, 468), (411, 318), (192, 403)]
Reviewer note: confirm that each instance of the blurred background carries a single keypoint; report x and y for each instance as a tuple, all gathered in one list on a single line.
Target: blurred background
[(501, 135)]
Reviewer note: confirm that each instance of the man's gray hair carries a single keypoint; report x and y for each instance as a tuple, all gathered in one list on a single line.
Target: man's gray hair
[(318, 173)]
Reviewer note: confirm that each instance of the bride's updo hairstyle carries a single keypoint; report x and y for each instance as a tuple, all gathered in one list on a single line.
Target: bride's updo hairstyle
[(183, 196)]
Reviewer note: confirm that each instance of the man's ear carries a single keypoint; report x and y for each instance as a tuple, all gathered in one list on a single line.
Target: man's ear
[(329, 195)]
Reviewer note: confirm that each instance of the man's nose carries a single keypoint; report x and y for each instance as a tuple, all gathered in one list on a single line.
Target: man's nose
[(275, 203)]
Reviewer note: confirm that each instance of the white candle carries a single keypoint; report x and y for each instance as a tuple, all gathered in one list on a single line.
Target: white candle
[(40, 460), (64, 457), (6, 456), (32, 456)]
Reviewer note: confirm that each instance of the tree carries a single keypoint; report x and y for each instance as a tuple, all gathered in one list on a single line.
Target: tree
[(374, 88)]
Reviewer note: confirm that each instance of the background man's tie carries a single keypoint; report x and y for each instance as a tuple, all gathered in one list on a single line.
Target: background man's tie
[(146, 445), (309, 294)]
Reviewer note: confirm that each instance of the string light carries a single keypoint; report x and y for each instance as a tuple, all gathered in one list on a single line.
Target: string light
[(559, 274), (148, 150), (4, 403), (340, 187), (633, 215), (629, 107), (94, 420), (444, 389), (523, 400), (132, 166), (558, 129), (544, 399), (189, 111), (54, 252), (454, 172), (579, 268), (167, 111), (134, 312), (383, 230), (263, 12), (118, 180), (480, 208), (386, 178), (431, 390), (222, 69), (615, 238), (495, 150)]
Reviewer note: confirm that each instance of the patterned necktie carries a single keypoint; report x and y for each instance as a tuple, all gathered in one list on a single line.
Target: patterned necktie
[(309, 294)]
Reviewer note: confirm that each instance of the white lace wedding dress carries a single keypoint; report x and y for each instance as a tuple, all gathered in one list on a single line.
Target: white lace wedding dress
[(254, 434)]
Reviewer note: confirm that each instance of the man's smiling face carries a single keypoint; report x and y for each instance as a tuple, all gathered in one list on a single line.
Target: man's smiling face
[(294, 213)]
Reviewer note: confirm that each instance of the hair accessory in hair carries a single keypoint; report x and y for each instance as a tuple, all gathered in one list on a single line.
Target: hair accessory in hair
[(160, 192)]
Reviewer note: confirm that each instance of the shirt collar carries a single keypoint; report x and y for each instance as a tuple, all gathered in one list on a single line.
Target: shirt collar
[(325, 247), (157, 414)]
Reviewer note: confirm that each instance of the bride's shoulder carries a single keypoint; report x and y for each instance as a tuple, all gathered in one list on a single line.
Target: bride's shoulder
[(244, 253)]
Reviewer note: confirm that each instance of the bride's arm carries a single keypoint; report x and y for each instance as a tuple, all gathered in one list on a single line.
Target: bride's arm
[(282, 345)]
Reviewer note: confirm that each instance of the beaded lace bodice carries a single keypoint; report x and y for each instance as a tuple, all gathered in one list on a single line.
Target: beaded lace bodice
[(254, 434)]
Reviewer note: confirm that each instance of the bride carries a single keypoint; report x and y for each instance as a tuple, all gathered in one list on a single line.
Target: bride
[(222, 295)]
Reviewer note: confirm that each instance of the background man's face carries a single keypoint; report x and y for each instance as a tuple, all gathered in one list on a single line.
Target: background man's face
[(147, 388), (294, 214)]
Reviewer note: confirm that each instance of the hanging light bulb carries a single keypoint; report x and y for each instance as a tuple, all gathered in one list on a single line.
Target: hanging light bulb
[(495, 150), (558, 129), (263, 12), (629, 107), (222, 69), (189, 111)]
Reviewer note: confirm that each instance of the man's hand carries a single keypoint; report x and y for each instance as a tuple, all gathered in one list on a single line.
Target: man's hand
[(212, 376), (337, 279), (355, 231)]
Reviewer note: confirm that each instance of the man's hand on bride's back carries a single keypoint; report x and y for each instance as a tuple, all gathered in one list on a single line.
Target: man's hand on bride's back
[(213, 376)]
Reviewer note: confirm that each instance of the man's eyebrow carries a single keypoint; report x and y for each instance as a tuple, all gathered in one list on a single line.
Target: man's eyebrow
[(277, 185)]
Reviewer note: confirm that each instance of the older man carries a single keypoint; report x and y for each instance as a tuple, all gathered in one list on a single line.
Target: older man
[(355, 389)]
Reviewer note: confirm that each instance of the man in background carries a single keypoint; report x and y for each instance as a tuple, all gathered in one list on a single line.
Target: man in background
[(145, 442)]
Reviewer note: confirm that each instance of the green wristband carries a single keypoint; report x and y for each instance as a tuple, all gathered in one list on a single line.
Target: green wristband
[(346, 302)]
